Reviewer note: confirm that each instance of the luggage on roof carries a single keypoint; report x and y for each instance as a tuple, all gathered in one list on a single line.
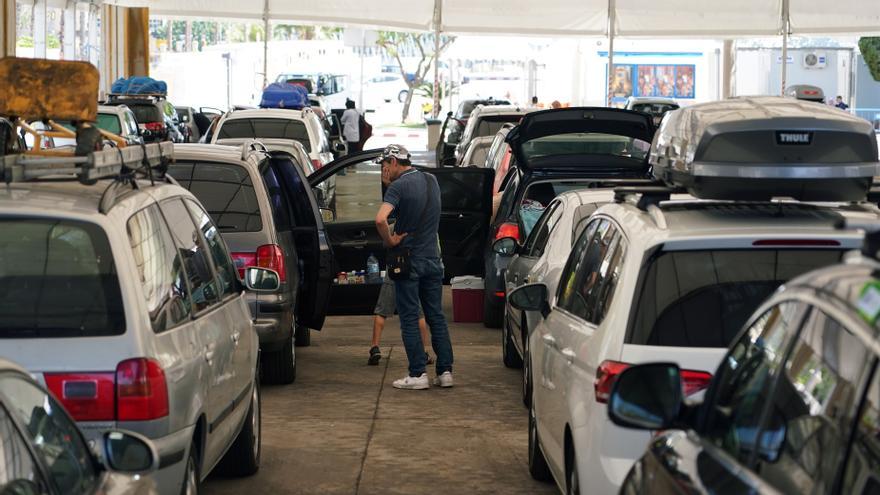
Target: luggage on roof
[(758, 148), (33, 89), (283, 95), (139, 85)]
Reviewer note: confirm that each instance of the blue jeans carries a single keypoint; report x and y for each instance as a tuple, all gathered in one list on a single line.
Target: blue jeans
[(425, 285)]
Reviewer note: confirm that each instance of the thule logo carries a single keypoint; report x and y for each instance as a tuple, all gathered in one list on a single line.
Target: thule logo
[(785, 137)]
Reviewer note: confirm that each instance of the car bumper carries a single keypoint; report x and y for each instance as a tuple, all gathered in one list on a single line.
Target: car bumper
[(273, 319), (618, 449)]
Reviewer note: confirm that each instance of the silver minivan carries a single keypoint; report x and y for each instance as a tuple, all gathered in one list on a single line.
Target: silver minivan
[(122, 298)]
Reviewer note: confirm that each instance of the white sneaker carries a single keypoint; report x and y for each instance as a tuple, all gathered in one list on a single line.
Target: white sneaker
[(412, 382), (444, 380)]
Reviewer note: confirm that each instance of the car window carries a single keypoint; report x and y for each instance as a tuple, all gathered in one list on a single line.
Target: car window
[(277, 199), (569, 298), (741, 389), (703, 298), (52, 433), (266, 128), (19, 474), (537, 240), (57, 279), (507, 199), (226, 191), (491, 124), (131, 123), (539, 195), (109, 122), (226, 272), (862, 475), (160, 267), (190, 245), (359, 192), (295, 189), (596, 278), (813, 405), (146, 112)]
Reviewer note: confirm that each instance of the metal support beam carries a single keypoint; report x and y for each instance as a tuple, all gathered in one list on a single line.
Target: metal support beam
[(68, 31), (728, 69), (612, 21), (786, 31), (438, 19), (266, 34), (7, 28), (39, 28)]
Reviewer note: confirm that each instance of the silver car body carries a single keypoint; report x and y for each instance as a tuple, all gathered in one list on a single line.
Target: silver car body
[(209, 361)]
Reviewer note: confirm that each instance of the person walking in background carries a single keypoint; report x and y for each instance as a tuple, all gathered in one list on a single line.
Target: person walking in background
[(414, 198), (351, 120), (840, 104)]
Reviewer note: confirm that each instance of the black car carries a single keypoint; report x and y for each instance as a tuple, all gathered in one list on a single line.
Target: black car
[(556, 151), (156, 117), (794, 406), (11, 142)]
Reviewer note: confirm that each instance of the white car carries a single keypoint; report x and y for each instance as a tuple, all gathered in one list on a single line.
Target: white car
[(117, 119), (271, 124), (657, 278), (384, 88), (487, 120), (477, 152), (657, 107)]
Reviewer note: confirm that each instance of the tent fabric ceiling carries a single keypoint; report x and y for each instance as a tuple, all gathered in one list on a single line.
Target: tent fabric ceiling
[(635, 18)]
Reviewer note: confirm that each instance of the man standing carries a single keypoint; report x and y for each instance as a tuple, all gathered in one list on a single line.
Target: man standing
[(351, 127), (414, 198), (840, 104)]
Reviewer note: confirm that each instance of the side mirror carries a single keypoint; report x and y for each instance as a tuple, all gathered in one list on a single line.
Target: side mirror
[(261, 279), (530, 297), (129, 452), (328, 215), (646, 397), (339, 147), (506, 246)]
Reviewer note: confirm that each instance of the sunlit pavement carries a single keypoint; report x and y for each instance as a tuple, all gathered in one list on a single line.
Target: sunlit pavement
[(342, 428)]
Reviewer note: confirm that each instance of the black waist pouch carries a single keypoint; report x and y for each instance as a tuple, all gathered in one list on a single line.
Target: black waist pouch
[(398, 263)]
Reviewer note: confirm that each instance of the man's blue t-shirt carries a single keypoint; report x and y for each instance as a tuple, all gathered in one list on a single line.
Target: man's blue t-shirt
[(408, 195)]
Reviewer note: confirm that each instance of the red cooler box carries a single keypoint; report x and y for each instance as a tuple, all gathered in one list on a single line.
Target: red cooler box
[(467, 299)]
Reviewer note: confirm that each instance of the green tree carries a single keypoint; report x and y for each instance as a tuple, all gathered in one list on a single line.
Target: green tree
[(870, 48), (395, 44)]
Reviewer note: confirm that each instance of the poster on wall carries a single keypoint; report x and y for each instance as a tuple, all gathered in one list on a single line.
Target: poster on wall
[(684, 81), (665, 75), (622, 85), (647, 85)]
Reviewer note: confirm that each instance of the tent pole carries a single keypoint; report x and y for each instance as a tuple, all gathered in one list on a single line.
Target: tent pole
[(786, 27), (265, 43), (438, 13), (612, 20)]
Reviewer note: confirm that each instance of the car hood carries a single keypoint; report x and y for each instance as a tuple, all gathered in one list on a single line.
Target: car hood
[(626, 123)]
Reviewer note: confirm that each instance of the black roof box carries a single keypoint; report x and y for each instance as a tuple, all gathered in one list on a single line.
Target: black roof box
[(757, 148)]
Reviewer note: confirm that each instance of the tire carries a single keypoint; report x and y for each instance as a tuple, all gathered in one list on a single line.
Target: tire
[(527, 377), (572, 479), (279, 367), (192, 481), (302, 336), (401, 97), (493, 313), (508, 351), (243, 457), (537, 462)]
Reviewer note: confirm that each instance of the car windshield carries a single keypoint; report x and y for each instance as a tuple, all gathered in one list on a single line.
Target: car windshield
[(490, 125), (654, 108), (106, 121), (146, 112), (466, 107), (57, 279), (226, 192), (266, 128), (703, 298), (585, 143)]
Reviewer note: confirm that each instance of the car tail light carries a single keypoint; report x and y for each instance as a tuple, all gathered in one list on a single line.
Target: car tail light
[(316, 164), (270, 256), (154, 126), (243, 260), (508, 229), (500, 293), (86, 396), (693, 381), (141, 391), (797, 242)]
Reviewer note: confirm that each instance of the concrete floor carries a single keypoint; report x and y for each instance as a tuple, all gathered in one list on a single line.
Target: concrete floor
[(343, 429)]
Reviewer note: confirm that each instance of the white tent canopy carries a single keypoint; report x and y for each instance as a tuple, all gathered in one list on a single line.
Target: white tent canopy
[(634, 18)]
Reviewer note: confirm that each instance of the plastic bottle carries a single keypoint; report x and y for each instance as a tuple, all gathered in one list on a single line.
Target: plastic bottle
[(372, 269)]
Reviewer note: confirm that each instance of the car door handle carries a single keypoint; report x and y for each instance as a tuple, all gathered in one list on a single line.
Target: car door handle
[(236, 336), (355, 244), (568, 354), (458, 216), (549, 340), (209, 353), (362, 234)]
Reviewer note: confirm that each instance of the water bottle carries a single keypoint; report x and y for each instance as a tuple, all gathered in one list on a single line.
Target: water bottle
[(372, 269)]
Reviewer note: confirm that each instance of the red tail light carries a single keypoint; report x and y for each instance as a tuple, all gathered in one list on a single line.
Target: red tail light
[(508, 229), (316, 164), (154, 126), (244, 260), (797, 242), (270, 256), (692, 381), (86, 396), (141, 391)]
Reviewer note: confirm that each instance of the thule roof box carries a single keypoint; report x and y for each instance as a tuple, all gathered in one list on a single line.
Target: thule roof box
[(757, 148)]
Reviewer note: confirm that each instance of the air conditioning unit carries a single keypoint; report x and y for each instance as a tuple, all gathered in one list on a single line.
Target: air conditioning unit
[(815, 60)]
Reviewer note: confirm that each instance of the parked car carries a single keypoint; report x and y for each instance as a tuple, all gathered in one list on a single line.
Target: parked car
[(384, 88), (123, 299), (156, 117), (656, 107), (476, 153), (45, 452), (487, 121), (332, 87), (792, 408), (656, 278), (453, 126), (187, 118), (556, 151), (805, 92), (118, 119)]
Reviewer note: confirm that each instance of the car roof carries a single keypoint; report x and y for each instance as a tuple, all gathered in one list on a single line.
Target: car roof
[(272, 113), (214, 153), (651, 99), (7, 365), (67, 196), (483, 110)]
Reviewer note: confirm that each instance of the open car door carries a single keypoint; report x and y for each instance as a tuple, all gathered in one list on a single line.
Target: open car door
[(466, 210), (351, 228)]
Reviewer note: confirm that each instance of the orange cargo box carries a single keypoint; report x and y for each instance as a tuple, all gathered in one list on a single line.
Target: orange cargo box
[(34, 89)]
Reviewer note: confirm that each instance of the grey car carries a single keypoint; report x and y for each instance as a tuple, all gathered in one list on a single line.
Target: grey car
[(46, 453)]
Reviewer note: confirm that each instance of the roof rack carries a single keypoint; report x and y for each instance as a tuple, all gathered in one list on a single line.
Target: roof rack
[(136, 96), (648, 192)]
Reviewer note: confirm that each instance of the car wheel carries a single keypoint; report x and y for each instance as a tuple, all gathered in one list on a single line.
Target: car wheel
[(572, 482), (243, 458), (493, 312), (508, 350), (527, 376), (191, 478), (279, 367), (537, 462), (302, 336), (401, 97)]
